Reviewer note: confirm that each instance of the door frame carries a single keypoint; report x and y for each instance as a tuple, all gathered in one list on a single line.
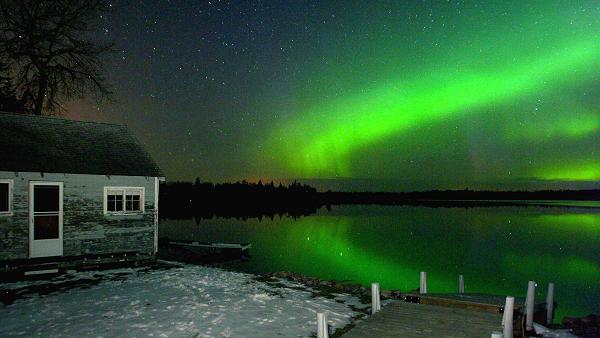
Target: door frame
[(32, 185)]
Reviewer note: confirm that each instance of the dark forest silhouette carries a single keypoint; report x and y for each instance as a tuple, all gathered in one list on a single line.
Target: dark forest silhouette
[(256, 200), (240, 200)]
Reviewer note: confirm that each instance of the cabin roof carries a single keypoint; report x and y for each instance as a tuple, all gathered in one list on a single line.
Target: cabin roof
[(55, 145)]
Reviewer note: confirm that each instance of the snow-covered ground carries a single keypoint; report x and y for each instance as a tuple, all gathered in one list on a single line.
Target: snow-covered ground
[(185, 301)]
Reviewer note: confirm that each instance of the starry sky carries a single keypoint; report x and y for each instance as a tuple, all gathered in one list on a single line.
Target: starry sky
[(360, 95)]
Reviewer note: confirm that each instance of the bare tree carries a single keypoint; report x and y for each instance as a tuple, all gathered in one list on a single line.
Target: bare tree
[(48, 58), (8, 98)]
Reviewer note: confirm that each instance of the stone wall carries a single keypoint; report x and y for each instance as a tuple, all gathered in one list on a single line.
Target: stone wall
[(86, 230)]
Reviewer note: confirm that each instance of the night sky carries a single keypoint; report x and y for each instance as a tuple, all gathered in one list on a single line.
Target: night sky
[(390, 95)]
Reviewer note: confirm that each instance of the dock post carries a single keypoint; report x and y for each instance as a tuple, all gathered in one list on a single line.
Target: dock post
[(550, 304), (322, 329), (423, 283), (461, 284), (375, 298), (496, 334), (507, 317), (529, 303)]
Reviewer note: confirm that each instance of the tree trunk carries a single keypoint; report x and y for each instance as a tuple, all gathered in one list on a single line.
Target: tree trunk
[(39, 100)]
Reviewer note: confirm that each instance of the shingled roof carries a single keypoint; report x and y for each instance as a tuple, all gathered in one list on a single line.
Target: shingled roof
[(54, 145)]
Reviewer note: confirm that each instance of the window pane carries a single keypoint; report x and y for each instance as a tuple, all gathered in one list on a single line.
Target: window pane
[(132, 205), (114, 202), (4, 197), (46, 198), (45, 227), (132, 201)]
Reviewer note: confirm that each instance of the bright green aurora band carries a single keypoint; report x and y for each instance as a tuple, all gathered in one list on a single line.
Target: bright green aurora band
[(497, 97)]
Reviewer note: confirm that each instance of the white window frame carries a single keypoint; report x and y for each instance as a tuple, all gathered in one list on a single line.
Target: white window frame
[(125, 191), (10, 198)]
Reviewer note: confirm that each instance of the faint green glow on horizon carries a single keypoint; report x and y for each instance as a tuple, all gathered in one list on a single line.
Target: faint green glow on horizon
[(577, 171), (569, 127)]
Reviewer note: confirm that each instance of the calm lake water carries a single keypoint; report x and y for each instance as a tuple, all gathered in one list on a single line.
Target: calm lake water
[(498, 249)]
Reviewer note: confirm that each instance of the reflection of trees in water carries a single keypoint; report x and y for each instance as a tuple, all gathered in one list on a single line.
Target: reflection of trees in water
[(179, 200), (240, 200)]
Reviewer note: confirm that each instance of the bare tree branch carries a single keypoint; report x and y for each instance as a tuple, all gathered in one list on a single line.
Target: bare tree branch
[(45, 56)]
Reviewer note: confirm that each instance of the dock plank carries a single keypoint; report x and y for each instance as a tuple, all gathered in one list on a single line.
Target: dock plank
[(469, 301), (402, 319)]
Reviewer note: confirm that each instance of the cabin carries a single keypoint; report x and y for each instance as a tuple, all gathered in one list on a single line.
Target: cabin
[(74, 194)]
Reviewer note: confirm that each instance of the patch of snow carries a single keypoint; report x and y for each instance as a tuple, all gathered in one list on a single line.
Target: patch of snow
[(185, 301), (546, 332)]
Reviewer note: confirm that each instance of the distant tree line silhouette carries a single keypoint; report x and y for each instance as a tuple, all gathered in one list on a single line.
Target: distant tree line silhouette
[(182, 200), (239, 200), (442, 197)]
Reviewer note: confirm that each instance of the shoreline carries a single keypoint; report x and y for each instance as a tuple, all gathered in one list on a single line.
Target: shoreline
[(284, 281), (586, 326), (173, 299)]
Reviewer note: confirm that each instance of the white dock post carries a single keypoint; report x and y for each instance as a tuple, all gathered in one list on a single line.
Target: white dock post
[(529, 303), (322, 329), (423, 283), (375, 298), (461, 284), (507, 317), (550, 304), (496, 334)]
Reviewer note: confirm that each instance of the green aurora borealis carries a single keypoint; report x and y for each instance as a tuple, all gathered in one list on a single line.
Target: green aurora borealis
[(501, 91), (361, 95)]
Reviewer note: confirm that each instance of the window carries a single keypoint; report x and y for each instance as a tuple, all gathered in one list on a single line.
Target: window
[(123, 200), (114, 201), (6, 191), (132, 201)]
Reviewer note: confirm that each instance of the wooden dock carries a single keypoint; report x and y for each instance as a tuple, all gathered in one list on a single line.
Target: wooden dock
[(201, 252), (444, 315), (422, 314), (404, 319), (214, 246)]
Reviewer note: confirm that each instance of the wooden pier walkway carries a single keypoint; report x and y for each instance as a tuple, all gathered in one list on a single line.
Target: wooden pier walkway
[(402, 319)]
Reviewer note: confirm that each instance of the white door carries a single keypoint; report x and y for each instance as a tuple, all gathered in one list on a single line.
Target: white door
[(45, 219)]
